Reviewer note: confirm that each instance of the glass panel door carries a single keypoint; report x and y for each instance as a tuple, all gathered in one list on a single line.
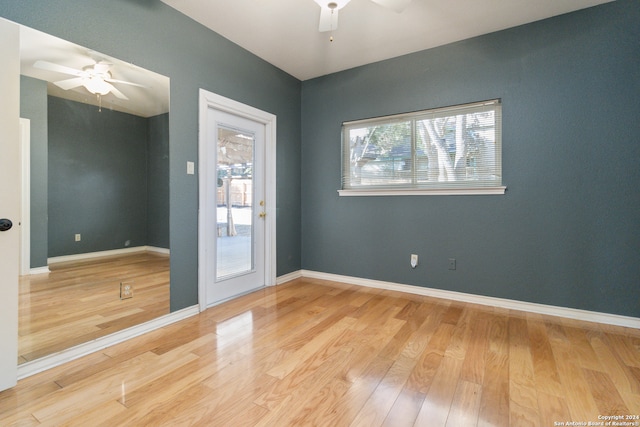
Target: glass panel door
[(235, 203), (232, 218)]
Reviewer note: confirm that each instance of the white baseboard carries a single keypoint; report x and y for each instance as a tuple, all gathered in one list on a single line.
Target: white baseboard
[(158, 250), (101, 254), (48, 362), (570, 313), (39, 270), (288, 277)]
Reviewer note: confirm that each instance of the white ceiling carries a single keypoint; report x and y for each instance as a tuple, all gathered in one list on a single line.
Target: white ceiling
[(285, 32), (147, 101)]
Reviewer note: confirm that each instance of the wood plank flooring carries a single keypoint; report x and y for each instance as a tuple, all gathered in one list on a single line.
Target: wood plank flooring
[(321, 353), (80, 301)]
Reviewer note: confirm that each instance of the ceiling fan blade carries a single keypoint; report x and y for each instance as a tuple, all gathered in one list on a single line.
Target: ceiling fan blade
[(69, 83), (116, 92), (125, 82), (50, 66), (397, 5), (328, 19)]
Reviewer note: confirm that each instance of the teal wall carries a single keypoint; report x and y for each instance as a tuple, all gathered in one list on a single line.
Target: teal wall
[(566, 233), (158, 200), (154, 36), (99, 183), (69, 183)]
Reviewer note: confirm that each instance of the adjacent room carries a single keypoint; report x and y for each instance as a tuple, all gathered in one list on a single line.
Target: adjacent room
[(98, 217), (365, 212)]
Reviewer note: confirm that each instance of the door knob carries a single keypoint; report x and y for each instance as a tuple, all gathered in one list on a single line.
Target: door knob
[(5, 224), (262, 214)]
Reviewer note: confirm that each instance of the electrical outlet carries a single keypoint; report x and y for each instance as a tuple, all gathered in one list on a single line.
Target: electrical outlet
[(452, 263), (126, 290), (414, 260), (78, 237)]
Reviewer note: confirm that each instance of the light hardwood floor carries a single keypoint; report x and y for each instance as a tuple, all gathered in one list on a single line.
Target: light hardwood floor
[(80, 301), (320, 353)]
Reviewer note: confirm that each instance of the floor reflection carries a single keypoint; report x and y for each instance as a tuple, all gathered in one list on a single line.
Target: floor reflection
[(235, 329)]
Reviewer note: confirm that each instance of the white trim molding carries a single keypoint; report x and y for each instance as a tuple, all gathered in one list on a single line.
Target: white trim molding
[(569, 313), (39, 270), (48, 362), (289, 277), (103, 254), (155, 249), (478, 191), (25, 181)]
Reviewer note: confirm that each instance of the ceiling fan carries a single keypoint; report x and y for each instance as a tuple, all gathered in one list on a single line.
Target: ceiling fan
[(329, 10), (95, 78)]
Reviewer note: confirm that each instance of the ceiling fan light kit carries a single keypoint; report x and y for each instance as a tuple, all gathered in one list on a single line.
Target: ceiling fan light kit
[(94, 78), (329, 11), (96, 85), (329, 14)]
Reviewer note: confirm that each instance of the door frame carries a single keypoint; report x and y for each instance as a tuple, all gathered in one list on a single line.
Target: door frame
[(207, 101), (9, 200), (25, 186)]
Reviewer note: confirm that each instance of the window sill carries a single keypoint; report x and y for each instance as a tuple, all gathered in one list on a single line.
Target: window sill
[(480, 191)]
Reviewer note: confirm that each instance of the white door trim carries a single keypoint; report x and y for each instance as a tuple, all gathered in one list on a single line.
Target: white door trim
[(25, 212), (207, 101)]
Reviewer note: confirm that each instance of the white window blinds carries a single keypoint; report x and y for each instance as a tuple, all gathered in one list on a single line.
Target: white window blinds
[(451, 150)]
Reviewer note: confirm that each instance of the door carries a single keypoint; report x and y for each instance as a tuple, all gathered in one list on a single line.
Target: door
[(9, 201), (238, 241), (234, 218)]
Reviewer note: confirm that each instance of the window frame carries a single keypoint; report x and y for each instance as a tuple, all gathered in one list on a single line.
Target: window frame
[(415, 188)]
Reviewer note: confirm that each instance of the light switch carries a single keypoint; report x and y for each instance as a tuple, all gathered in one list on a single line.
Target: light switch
[(191, 168)]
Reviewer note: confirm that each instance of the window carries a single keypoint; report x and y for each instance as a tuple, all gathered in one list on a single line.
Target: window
[(451, 150)]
